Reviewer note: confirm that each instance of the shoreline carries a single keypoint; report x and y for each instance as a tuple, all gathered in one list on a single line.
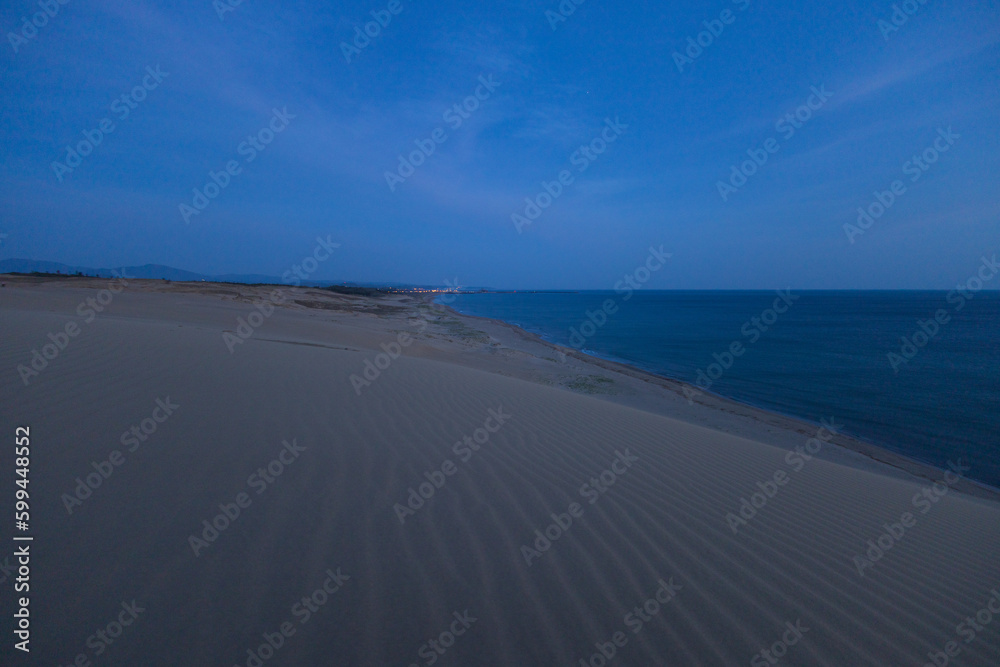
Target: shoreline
[(879, 456), (449, 463), (526, 355)]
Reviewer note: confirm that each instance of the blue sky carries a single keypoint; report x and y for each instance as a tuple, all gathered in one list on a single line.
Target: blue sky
[(656, 184)]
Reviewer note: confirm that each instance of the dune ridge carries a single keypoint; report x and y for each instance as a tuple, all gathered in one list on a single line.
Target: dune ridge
[(663, 519)]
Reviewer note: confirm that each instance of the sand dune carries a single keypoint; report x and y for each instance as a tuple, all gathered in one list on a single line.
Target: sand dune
[(319, 468)]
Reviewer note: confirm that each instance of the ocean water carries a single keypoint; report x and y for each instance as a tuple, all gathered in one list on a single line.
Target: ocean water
[(826, 355)]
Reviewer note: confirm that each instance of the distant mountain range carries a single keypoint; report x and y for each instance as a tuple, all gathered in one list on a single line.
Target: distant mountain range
[(161, 272), (146, 271)]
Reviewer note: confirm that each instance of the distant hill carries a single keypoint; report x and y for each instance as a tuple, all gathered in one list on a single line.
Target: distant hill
[(161, 272), (146, 271), (152, 271)]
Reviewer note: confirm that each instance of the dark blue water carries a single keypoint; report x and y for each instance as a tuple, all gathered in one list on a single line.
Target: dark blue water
[(825, 356)]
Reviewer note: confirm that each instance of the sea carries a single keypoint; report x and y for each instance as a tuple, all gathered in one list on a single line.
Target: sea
[(915, 372)]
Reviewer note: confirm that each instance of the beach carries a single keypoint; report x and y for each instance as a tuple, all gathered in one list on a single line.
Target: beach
[(269, 475)]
